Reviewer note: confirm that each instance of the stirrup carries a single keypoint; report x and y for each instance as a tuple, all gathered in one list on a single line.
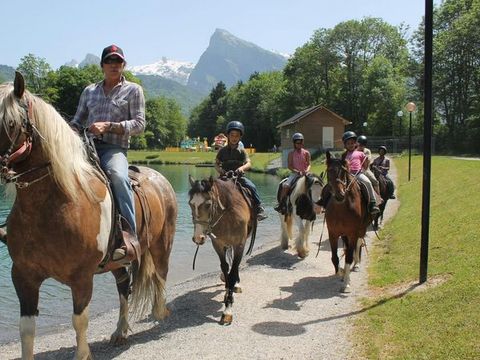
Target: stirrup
[(119, 254)]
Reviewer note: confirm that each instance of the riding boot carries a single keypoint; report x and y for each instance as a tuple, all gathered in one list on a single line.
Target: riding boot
[(261, 215), (130, 249), (373, 208), (282, 206)]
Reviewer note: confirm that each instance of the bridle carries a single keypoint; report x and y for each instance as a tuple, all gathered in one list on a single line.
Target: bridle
[(211, 223), (14, 156), (342, 176)]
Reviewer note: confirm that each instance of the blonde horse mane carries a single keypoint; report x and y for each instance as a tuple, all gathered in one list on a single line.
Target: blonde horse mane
[(59, 143)]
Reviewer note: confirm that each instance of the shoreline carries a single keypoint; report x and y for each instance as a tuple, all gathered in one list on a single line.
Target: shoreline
[(289, 308)]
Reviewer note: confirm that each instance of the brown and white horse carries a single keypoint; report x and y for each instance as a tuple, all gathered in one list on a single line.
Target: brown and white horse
[(346, 215), (60, 221), (221, 212), (300, 207)]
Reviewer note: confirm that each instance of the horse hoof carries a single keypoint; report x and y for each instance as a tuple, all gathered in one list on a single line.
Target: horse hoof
[(346, 289), (356, 268), (222, 277), (237, 290), (226, 319), (118, 340), (302, 254)]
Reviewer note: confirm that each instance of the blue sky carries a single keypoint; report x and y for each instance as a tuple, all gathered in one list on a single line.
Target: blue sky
[(61, 30)]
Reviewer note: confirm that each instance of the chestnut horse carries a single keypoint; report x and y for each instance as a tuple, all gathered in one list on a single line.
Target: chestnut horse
[(61, 219), (306, 191), (221, 212), (346, 215)]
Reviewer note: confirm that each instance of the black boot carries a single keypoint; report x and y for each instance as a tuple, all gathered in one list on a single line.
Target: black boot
[(261, 215)]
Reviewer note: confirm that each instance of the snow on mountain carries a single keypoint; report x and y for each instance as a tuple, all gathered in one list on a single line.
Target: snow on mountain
[(171, 69)]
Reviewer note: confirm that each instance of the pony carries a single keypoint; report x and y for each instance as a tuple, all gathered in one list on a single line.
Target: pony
[(221, 212), (384, 194), (60, 223), (346, 216), (300, 206)]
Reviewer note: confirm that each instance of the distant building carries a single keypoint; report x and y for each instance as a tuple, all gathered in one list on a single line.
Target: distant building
[(321, 127)]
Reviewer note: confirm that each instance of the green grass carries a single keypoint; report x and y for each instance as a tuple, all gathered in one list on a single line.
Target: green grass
[(443, 321), (259, 160)]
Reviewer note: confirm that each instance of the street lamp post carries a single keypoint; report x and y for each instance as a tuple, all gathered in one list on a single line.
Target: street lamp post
[(400, 115), (411, 107)]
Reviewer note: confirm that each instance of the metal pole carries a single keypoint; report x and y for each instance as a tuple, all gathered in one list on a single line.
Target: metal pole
[(427, 141), (410, 146)]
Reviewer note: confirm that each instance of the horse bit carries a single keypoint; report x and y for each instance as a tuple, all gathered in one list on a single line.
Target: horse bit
[(7, 174)]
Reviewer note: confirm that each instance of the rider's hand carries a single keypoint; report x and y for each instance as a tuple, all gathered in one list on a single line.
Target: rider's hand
[(239, 171), (99, 128)]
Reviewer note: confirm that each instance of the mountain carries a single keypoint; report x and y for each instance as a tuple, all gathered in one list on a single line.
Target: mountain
[(178, 71), (90, 59), (230, 59), (155, 85), (7, 73)]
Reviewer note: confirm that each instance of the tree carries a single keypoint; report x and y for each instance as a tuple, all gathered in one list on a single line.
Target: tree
[(35, 71)]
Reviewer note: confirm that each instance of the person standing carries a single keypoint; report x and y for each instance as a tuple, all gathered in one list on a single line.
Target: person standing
[(113, 110), (233, 158), (298, 164)]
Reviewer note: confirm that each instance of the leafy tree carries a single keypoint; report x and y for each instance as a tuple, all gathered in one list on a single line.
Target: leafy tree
[(35, 71), (166, 126), (207, 118)]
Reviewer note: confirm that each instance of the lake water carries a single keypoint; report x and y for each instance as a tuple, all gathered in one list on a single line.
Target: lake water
[(55, 299)]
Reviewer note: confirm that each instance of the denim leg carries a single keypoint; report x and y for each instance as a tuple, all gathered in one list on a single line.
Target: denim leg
[(364, 179), (113, 161), (249, 184)]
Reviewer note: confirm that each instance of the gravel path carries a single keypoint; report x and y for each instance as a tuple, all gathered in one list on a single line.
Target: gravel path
[(289, 309)]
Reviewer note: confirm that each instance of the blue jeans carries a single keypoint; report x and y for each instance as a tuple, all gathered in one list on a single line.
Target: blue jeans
[(113, 161), (253, 189)]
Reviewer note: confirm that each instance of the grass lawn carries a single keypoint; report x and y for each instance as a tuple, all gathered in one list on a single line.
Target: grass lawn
[(441, 321), (259, 160)]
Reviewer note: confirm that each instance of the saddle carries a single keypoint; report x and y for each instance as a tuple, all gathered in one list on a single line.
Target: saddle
[(121, 232), (245, 191), (303, 203)]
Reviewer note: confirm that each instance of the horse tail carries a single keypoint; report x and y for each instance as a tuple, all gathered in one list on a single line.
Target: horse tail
[(147, 289), (252, 236)]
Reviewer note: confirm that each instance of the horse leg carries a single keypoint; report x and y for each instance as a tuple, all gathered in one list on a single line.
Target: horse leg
[(333, 239), (303, 232), (286, 223), (119, 337), (81, 294), (233, 278), (350, 246), (27, 288), (357, 256)]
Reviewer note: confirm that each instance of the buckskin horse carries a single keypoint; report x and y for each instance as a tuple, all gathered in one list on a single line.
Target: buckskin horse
[(300, 206), (222, 213), (346, 215), (61, 219)]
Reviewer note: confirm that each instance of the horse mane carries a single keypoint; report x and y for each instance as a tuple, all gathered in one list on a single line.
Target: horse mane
[(59, 143), (299, 189)]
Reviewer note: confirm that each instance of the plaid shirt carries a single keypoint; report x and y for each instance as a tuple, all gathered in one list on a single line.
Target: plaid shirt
[(125, 104)]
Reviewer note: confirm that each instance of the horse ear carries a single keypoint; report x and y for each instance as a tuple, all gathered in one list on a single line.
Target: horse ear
[(329, 156), (211, 180), (191, 179), (18, 85)]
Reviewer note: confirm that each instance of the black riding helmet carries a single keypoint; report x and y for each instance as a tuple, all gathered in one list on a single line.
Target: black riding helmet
[(384, 148), (235, 125), (362, 140), (348, 135)]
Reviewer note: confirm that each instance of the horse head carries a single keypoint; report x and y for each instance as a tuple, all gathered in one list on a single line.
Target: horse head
[(202, 205), (337, 176), (15, 126)]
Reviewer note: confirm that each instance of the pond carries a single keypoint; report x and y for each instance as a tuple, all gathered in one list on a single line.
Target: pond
[(55, 299)]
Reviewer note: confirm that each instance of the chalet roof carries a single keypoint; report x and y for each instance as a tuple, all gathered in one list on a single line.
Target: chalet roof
[(297, 117)]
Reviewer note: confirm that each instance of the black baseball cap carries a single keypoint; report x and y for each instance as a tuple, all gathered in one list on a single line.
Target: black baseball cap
[(112, 50)]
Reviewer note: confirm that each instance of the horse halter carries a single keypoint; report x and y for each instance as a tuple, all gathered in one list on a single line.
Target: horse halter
[(338, 179), (210, 224), (11, 156)]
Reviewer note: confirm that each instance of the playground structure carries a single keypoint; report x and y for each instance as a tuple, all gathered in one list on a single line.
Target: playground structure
[(197, 145)]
